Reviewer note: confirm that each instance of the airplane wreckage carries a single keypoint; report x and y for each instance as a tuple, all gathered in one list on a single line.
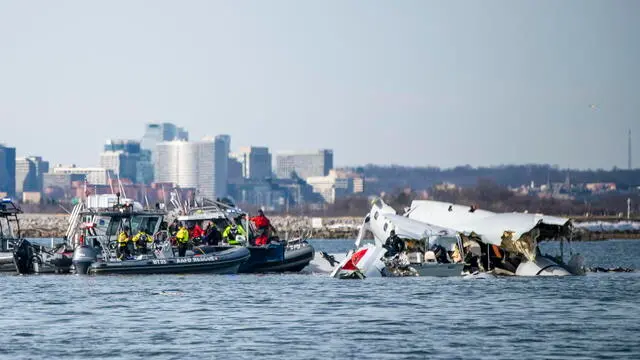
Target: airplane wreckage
[(440, 239)]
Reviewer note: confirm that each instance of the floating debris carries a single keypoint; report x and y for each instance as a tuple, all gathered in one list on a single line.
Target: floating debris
[(168, 293), (617, 269)]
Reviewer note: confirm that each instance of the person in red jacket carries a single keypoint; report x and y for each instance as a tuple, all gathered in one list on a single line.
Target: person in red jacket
[(196, 231), (263, 226)]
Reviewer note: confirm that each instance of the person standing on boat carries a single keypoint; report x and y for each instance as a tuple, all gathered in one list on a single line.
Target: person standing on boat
[(142, 240), (174, 227), (263, 227), (182, 238), (123, 243), (211, 234), (230, 233), (196, 232)]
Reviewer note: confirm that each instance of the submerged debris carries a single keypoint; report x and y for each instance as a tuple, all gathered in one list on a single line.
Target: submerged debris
[(617, 269)]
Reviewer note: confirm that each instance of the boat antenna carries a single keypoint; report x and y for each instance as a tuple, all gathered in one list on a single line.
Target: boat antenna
[(110, 182), (120, 186), (63, 208), (164, 197), (146, 200)]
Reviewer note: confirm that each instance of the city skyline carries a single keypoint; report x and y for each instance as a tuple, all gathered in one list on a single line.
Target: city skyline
[(491, 83)]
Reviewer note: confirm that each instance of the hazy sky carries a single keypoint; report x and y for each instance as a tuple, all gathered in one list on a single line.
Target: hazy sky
[(420, 82)]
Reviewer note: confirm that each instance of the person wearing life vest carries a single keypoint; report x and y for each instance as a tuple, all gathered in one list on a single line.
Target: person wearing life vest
[(122, 250), (456, 256), (174, 227), (182, 238), (142, 240), (230, 233), (263, 227), (212, 235), (196, 233)]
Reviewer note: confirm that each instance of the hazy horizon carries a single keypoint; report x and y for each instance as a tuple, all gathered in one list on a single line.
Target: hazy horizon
[(411, 83)]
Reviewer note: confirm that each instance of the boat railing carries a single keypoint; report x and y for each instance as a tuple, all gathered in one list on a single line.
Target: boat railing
[(161, 236), (74, 220), (105, 244)]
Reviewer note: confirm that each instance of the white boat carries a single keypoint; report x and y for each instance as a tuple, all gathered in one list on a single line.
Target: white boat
[(18, 254), (9, 233), (507, 242), (402, 247)]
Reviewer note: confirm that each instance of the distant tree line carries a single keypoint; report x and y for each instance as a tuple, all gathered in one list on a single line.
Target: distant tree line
[(384, 178), (489, 195)]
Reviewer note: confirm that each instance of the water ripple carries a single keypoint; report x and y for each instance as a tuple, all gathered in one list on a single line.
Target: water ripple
[(314, 317)]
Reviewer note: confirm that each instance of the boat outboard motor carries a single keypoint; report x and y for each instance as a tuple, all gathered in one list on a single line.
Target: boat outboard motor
[(83, 257), (23, 257)]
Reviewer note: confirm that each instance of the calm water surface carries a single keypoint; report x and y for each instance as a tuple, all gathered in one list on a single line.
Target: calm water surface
[(310, 316)]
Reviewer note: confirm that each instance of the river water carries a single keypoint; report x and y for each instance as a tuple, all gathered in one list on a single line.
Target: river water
[(310, 316)]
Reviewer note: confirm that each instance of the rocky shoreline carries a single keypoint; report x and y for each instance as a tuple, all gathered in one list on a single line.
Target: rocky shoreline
[(55, 226)]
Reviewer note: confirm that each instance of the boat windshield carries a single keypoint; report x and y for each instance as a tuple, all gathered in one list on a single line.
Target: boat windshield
[(136, 223)]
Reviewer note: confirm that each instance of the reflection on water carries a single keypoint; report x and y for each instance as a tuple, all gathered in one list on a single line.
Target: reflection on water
[(307, 316)]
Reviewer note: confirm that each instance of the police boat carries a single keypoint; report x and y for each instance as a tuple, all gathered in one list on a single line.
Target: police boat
[(279, 255), (17, 254), (85, 259), (9, 233), (97, 252)]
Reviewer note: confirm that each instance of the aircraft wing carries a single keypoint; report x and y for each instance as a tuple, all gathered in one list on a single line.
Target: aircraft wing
[(414, 229)]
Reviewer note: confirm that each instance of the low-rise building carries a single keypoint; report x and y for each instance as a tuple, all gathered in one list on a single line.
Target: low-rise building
[(332, 186), (93, 175)]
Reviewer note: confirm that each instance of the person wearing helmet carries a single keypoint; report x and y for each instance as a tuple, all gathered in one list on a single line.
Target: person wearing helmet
[(231, 232)]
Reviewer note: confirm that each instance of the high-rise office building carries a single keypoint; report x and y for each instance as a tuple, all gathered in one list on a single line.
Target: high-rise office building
[(234, 170), (30, 174), (121, 163), (201, 165), (304, 164), (7, 170), (128, 160), (25, 175), (154, 134), (222, 144), (144, 174), (256, 162)]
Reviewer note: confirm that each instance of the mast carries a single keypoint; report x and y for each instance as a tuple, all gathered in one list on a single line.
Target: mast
[(110, 183), (629, 150), (120, 186)]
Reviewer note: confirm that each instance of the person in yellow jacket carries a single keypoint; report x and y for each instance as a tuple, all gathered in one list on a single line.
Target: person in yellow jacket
[(122, 251), (142, 240), (230, 233), (456, 256), (182, 238)]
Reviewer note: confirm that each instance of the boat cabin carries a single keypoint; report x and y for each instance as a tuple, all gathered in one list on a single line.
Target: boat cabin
[(9, 224), (101, 227)]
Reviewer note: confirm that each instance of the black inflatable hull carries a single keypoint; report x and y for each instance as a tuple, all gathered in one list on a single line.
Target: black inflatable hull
[(224, 262), (294, 261), (271, 259)]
